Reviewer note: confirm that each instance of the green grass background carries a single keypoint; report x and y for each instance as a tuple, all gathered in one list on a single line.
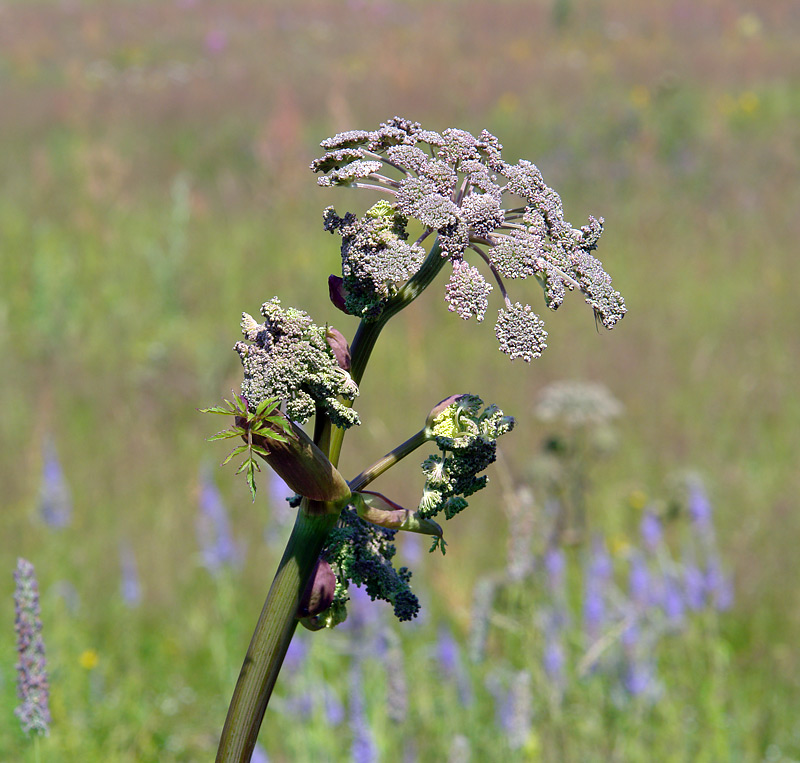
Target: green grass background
[(154, 184)]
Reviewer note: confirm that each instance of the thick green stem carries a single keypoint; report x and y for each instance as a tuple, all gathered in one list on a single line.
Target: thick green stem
[(388, 461), (369, 331), (271, 639), (315, 520)]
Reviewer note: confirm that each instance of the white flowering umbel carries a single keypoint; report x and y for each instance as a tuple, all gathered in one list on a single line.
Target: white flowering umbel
[(459, 187), (291, 358)]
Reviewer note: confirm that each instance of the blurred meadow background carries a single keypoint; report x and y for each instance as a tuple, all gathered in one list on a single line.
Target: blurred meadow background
[(627, 586)]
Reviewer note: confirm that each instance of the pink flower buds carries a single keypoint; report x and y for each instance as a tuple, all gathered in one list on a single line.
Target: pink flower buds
[(337, 292), (339, 346), (318, 595)]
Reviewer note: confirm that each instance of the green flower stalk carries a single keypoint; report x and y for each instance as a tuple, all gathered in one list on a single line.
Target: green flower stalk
[(477, 214)]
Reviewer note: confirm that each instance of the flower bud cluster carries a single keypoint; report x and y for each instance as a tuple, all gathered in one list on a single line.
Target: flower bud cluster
[(289, 357), (459, 187), (375, 256), (467, 439), (360, 552)]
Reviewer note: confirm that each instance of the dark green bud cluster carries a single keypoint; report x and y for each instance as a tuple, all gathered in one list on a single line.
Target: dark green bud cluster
[(375, 256), (361, 553), (467, 439), (291, 358)]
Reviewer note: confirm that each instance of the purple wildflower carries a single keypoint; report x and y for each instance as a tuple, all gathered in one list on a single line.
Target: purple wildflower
[(555, 566), (631, 636), (447, 652), (639, 677), (55, 503), (130, 587), (362, 613), (32, 686), (651, 530), (520, 332), (301, 705), (295, 654), (516, 714), (594, 609), (279, 494), (597, 578), (699, 506), (363, 748), (448, 657), (213, 529), (640, 584), (334, 709), (521, 521), (396, 686), (482, 604), (467, 291), (411, 549), (718, 585), (694, 586), (554, 659), (259, 755), (672, 600)]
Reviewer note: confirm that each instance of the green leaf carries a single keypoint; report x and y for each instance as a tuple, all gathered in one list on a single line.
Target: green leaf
[(251, 481), (225, 434), (440, 542), (266, 403), (235, 452), (283, 423), (261, 451), (269, 434), (216, 409)]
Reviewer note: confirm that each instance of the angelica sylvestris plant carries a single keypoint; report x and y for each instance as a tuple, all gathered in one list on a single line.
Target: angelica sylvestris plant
[(482, 221)]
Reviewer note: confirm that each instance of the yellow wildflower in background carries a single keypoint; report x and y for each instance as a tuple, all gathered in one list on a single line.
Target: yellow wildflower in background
[(749, 25), (619, 545), (637, 499), (89, 659), (749, 102)]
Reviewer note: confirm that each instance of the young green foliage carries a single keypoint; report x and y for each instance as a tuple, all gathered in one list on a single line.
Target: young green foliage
[(260, 421), (467, 439)]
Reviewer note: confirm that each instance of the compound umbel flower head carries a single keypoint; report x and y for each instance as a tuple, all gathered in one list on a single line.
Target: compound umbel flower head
[(460, 188)]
